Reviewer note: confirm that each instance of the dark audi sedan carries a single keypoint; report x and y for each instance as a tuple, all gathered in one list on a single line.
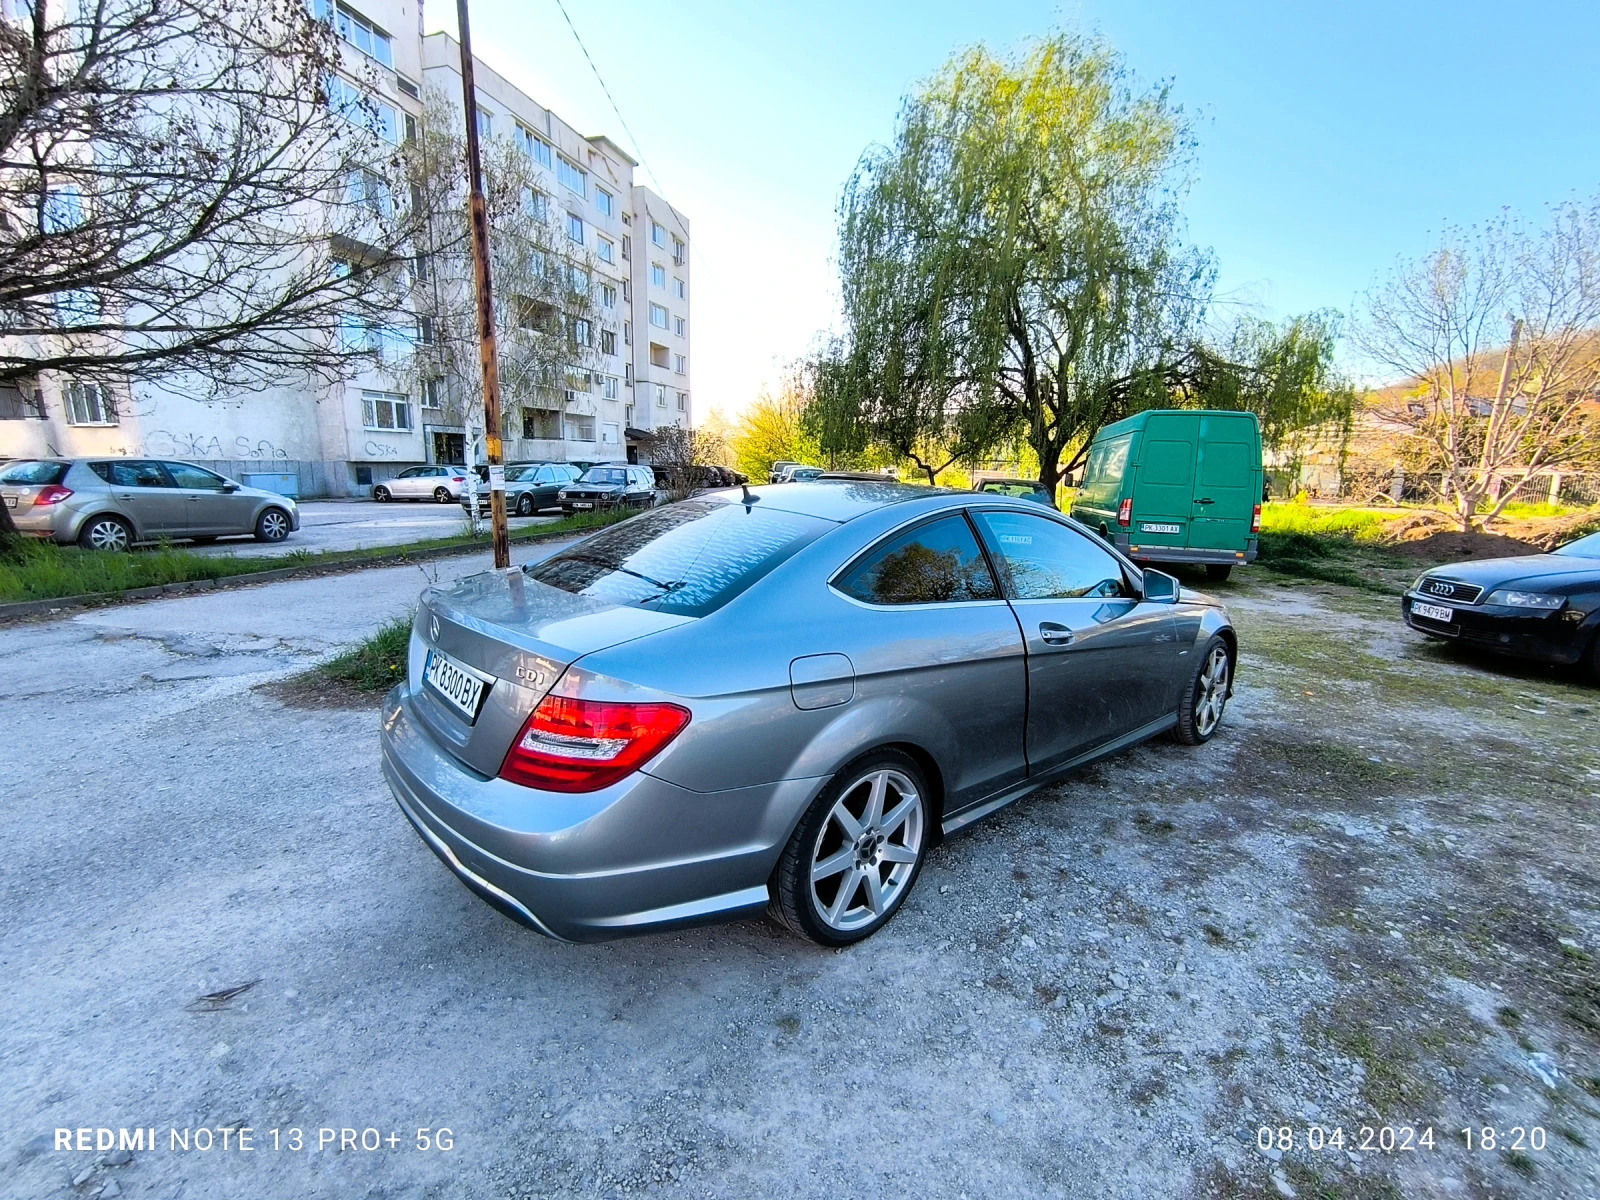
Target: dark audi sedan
[(1544, 607), (778, 697)]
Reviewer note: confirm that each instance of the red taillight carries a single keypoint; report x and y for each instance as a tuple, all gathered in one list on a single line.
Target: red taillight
[(1125, 513), (51, 494), (1255, 520), (571, 745)]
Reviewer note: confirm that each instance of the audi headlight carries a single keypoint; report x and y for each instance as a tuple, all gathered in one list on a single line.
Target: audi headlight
[(1515, 599)]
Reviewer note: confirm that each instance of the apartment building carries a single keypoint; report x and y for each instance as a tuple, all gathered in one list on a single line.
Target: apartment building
[(321, 440)]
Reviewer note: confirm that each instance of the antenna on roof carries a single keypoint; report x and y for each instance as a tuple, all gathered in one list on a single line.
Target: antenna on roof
[(748, 498)]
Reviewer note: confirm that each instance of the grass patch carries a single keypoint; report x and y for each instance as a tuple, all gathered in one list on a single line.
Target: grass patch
[(358, 678), (38, 570)]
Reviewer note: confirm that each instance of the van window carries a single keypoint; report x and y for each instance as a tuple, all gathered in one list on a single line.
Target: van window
[(1107, 461)]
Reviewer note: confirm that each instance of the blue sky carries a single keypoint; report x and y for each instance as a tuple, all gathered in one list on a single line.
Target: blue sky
[(1332, 138)]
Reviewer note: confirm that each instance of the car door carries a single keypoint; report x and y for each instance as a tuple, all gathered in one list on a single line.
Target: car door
[(411, 483), (930, 628), (1164, 483), (144, 491), (546, 483), (209, 508), (1100, 659), (1225, 494)]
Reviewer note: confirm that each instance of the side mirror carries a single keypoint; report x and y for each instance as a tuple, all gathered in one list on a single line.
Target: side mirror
[(1159, 587), (230, 486)]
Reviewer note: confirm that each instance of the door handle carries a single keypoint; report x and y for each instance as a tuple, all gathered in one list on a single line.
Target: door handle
[(1207, 500), (1054, 635)]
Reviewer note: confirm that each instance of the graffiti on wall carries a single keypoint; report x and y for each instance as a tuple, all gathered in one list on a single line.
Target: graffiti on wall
[(161, 443), (381, 450)]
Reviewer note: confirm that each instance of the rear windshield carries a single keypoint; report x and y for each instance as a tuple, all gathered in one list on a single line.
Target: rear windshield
[(604, 475), (689, 558), (34, 472)]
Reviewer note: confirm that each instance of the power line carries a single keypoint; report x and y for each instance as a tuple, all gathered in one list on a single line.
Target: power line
[(623, 121)]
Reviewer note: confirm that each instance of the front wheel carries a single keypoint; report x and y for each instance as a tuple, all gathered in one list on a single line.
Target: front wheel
[(1206, 696), (380, 494), (856, 853), (525, 504), (272, 525)]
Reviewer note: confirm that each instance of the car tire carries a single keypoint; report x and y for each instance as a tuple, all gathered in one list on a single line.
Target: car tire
[(272, 525), (442, 495), (817, 907), (106, 532), (525, 504), (380, 494), (1218, 572), (1594, 660), (1205, 695)]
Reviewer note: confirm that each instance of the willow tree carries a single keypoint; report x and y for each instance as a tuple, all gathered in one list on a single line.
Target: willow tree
[(1011, 263)]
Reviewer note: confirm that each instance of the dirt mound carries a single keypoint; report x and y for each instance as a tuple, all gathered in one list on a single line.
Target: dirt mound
[(1447, 545)]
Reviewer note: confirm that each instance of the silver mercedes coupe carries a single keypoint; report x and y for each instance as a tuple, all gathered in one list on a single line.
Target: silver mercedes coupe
[(778, 698)]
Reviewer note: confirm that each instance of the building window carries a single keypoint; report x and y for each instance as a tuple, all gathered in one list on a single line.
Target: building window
[(385, 410), (610, 387), (607, 249), (603, 201), (413, 129), (658, 234), (608, 341), (609, 435), (19, 404), (627, 291), (661, 395), (574, 177), (535, 148), (541, 423), (485, 124), (627, 333), (627, 247), (680, 326), (608, 295), (370, 190), (658, 316), (678, 250), (407, 88), (658, 275), (582, 331), (679, 289), (535, 203), (358, 31), (425, 330), (89, 404), (355, 106), (432, 392), (683, 401), (680, 364), (580, 429), (659, 356), (77, 307), (575, 228)]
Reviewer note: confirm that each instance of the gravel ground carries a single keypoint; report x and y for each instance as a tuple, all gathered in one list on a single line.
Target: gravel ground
[(1370, 901)]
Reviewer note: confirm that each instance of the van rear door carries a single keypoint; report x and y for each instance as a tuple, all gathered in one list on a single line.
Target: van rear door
[(1164, 491), (1227, 481)]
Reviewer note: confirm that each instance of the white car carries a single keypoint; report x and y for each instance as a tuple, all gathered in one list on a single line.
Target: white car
[(442, 484)]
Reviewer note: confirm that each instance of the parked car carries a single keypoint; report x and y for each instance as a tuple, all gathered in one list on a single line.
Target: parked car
[(1544, 607), (1175, 486), (776, 475), (803, 474), (113, 503), (619, 486), (530, 488), (442, 484), (1019, 489), (778, 696)]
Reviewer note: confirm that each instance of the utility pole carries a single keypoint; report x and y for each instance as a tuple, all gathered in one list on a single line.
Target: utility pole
[(487, 355)]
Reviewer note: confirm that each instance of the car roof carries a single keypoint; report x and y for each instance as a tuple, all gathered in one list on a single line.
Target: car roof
[(1139, 419), (833, 499)]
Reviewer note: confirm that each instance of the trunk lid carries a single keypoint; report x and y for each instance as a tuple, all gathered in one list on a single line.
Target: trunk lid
[(515, 636)]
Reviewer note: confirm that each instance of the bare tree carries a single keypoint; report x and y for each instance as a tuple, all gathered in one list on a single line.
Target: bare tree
[(190, 191), (1497, 337), (550, 315)]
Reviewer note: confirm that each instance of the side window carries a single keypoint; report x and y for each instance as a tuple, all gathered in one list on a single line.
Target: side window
[(135, 473), (102, 469), (1046, 560), (186, 476), (934, 563), (410, 473), (544, 475)]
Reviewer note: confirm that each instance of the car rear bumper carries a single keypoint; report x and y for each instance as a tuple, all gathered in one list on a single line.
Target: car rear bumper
[(1156, 555), (640, 856), (55, 521), (1538, 636)]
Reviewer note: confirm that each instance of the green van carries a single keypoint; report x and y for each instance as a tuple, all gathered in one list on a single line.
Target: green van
[(1177, 486)]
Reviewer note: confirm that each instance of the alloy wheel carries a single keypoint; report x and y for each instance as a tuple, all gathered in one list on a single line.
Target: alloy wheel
[(274, 525), (108, 534), (1211, 692), (867, 851)]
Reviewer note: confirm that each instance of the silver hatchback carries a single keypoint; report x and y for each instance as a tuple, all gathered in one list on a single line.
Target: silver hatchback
[(778, 698), (112, 503)]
